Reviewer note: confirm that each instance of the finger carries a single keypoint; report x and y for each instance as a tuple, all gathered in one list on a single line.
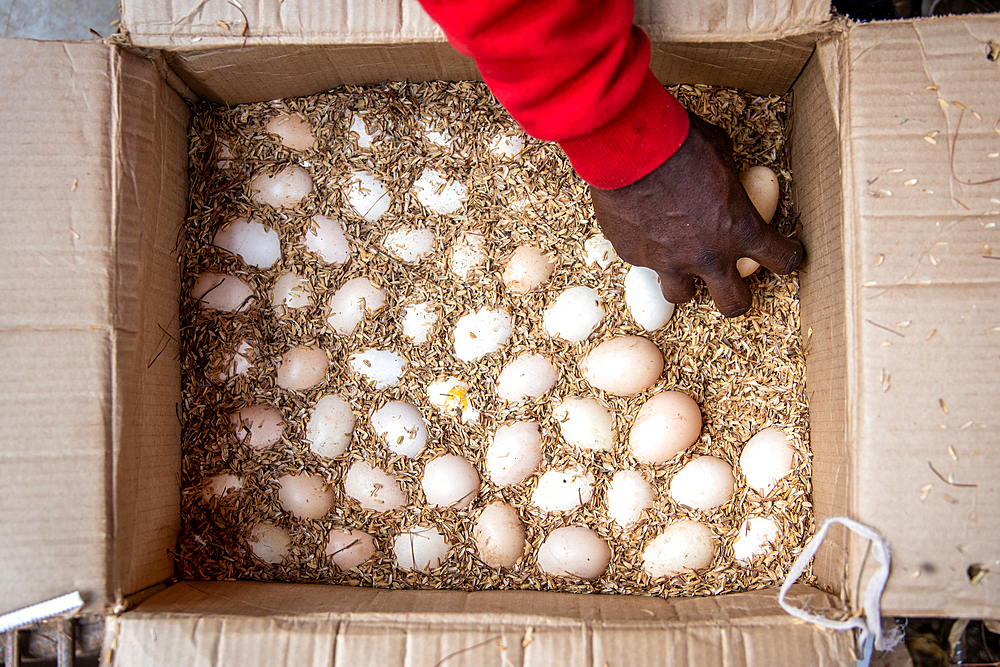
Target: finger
[(675, 287), (731, 295), (776, 252)]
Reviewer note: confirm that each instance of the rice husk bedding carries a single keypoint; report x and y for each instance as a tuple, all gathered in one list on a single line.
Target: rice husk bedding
[(745, 373)]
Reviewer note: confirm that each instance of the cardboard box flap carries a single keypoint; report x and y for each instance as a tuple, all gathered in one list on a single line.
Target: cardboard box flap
[(196, 623), (924, 300), (201, 25)]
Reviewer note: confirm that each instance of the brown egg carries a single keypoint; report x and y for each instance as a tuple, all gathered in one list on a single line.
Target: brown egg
[(623, 366), (302, 368), (526, 269), (293, 131), (347, 549), (666, 425), (305, 496), (260, 425)]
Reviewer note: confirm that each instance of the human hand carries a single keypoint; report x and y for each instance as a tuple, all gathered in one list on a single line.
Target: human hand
[(691, 217)]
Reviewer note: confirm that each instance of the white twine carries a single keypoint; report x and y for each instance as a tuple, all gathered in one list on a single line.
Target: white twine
[(870, 625), (64, 604)]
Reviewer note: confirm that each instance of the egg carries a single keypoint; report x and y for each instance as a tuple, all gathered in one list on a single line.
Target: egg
[(253, 242), (499, 535), (325, 237), (451, 396), (330, 428), (506, 145), (765, 459), (360, 129), (224, 155), (437, 138), (373, 488), (347, 549), (421, 548), (290, 292), (528, 376), (401, 427), (419, 321), (515, 453), (574, 551), (574, 315), (598, 250), (563, 490), (645, 299), (269, 543), (302, 368), (703, 483), (292, 130), (366, 195), (259, 426), (450, 481), (666, 424), (683, 545), (235, 363), (481, 332), (285, 189), (755, 534), (467, 254), (350, 303), (218, 291), (623, 366), (762, 187), (216, 486), (439, 193), (409, 244), (305, 496), (528, 267), (585, 423), (382, 368), (628, 495)]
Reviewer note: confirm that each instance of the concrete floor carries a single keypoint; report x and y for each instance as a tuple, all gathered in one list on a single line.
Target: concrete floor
[(58, 19)]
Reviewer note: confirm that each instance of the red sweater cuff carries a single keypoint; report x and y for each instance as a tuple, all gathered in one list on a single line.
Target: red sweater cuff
[(633, 143)]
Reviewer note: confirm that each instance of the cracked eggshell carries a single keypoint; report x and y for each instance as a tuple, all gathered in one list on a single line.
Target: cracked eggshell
[(421, 548), (563, 490), (528, 376), (435, 191), (703, 483), (481, 332), (292, 130), (331, 426), (383, 368), (326, 238), (219, 291), (419, 322), (574, 315), (347, 549), (499, 535), (574, 551), (302, 368), (598, 250), (683, 545), (527, 268), (401, 426), (305, 496), (254, 243), (450, 481), (373, 488), (350, 303), (467, 254), (290, 292), (645, 301), (515, 453), (269, 543), (451, 396), (409, 245), (765, 459), (628, 495), (259, 426), (216, 486), (287, 188), (666, 425), (366, 195), (623, 366), (754, 536), (585, 423)]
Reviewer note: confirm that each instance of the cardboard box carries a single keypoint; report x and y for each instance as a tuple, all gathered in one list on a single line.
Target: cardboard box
[(899, 301)]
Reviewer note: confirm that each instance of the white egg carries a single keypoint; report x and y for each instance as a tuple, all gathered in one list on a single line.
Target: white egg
[(574, 551), (766, 458), (409, 245), (684, 545), (287, 188), (703, 483), (253, 242), (762, 187), (305, 496), (450, 481), (645, 300), (526, 377), (628, 495), (499, 535), (217, 486), (235, 362), (506, 145), (349, 304), (598, 250), (467, 254), (290, 292), (367, 196), (401, 427), (623, 366), (293, 131), (754, 536), (269, 542), (451, 396), (259, 426), (373, 488), (528, 268), (421, 548), (666, 425), (330, 427), (347, 549), (359, 128), (383, 368), (325, 237), (481, 332), (585, 423), (302, 368), (419, 321), (515, 453), (563, 490), (574, 315), (438, 193), (219, 291)]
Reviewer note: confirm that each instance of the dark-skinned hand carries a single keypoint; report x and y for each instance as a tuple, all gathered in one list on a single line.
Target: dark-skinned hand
[(690, 217)]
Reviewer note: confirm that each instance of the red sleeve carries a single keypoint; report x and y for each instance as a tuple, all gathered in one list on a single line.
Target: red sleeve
[(575, 72)]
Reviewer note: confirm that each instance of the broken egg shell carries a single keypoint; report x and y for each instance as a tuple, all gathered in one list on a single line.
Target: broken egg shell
[(450, 481), (515, 453), (765, 459), (598, 250), (683, 545), (703, 483), (628, 495), (259, 426), (401, 426), (302, 368), (421, 548), (219, 291), (563, 490), (347, 549), (254, 243), (285, 189), (574, 315), (292, 130), (331, 426), (452, 397), (623, 366), (305, 496), (574, 551), (326, 238), (499, 535), (373, 488), (350, 303), (528, 376), (666, 424), (585, 423), (528, 268), (481, 332), (269, 543)]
